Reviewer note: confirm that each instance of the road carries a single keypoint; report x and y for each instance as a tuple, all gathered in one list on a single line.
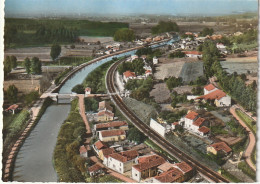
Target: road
[(252, 140), (154, 136)]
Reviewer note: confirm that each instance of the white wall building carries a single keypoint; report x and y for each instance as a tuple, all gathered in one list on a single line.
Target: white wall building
[(209, 88), (161, 128), (155, 60)]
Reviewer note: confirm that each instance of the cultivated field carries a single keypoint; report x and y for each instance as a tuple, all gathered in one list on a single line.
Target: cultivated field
[(167, 70), (160, 93), (190, 71)]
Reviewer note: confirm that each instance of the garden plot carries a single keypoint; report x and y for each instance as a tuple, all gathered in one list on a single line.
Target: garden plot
[(191, 71), (160, 93), (142, 110), (168, 70)]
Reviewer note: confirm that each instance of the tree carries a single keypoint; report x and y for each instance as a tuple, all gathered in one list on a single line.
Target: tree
[(10, 63), (36, 66), (173, 104), (135, 135), (79, 89), (164, 26), (124, 35), (55, 51), (207, 31), (11, 93), (27, 65), (13, 62), (138, 66)]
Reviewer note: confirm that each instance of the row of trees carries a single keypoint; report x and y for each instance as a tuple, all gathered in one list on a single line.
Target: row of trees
[(141, 92), (10, 63), (124, 35), (232, 84), (165, 26), (177, 54), (136, 66), (33, 66)]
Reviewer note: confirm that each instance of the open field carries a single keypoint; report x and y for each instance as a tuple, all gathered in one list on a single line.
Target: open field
[(167, 70), (160, 93), (240, 65), (190, 71)]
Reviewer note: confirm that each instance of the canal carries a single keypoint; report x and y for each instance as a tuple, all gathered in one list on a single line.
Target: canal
[(34, 160)]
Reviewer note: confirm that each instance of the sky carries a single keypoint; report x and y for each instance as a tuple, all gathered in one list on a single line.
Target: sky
[(126, 7)]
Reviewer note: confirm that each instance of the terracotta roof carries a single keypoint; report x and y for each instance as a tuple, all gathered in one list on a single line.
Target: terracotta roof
[(209, 87), (165, 166), (175, 123), (149, 164), (193, 52), (87, 89), (107, 151), (100, 145), (129, 74), (170, 176), (184, 167), (109, 133), (218, 94), (191, 115), (198, 121), (148, 158), (94, 168), (82, 149), (12, 107), (148, 71), (111, 124), (221, 146), (204, 129), (105, 105), (102, 113), (124, 156)]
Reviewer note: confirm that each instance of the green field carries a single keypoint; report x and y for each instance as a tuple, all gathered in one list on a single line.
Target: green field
[(249, 122), (40, 32)]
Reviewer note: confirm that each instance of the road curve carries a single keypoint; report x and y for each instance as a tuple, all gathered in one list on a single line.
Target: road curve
[(154, 136)]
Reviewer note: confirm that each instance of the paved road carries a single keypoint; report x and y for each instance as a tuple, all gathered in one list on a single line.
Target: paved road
[(252, 139)]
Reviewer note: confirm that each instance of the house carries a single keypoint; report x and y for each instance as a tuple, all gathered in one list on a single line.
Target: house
[(104, 105), (221, 99), (97, 146), (108, 52), (83, 151), (186, 169), (209, 88), (146, 167), (160, 128), (95, 170), (215, 37), (105, 116), (111, 125), (112, 135), (13, 108), (203, 131), (193, 54), (219, 148), (173, 175), (87, 91), (123, 161), (155, 60), (220, 46), (133, 57), (103, 154), (128, 75), (174, 125), (139, 42), (149, 39), (148, 73), (116, 49)]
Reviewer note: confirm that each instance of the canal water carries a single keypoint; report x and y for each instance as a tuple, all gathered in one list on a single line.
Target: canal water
[(34, 161)]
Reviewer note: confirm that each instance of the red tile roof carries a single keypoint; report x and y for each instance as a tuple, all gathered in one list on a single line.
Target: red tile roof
[(184, 167), (124, 156), (198, 121), (221, 146), (148, 71), (149, 162), (191, 115), (175, 123), (109, 133), (193, 52), (82, 149), (209, 87), (111, 124), (87, 89), (94, 168), (107, 151), (100, 145), (218, 94), (170, 176), (129, 74), (204, 129), (102, 113), (165, 166), (12, 107)]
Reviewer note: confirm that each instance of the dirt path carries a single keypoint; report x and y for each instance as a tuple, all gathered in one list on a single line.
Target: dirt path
[(252, 140), (82, 112)]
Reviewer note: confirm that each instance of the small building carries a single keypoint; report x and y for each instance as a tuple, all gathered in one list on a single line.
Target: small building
[(105, 105), (105, 116), (219, 148), (133, 57), (13, 108), (83, 151), (203, 131), (160, 128), (111, 125), (209, 88), (220, 46), (95, 170), (193, 54), (155, 60), (87, 91), (173, 175), (146, 167), (103, 154), (174, 125), (97, 146), (148, 73), (112, 135), (123, 161), (128, 75)]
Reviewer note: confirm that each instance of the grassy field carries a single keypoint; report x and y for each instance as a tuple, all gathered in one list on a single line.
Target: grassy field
[(247, 170), (250, 123), (229, 176)]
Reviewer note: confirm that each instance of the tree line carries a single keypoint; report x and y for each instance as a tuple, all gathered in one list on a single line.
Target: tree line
[(124, 35), (10, 63), (165, 26), (136, 66), (33, 66)]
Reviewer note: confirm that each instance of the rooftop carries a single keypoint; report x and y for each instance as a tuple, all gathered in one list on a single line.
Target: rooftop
[(154, 161), (82, 149), (191, 115), (101, 113), (198, 121), (209, 87), (221, 146), (129, 74), (100, 145), (12, 107), (165, 166), (107, 151), (109, 133), (218, 94), (204, 129), (170, 176), (94, 168), (111, 124), (105, 105), (184, 167), (124, 156)]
